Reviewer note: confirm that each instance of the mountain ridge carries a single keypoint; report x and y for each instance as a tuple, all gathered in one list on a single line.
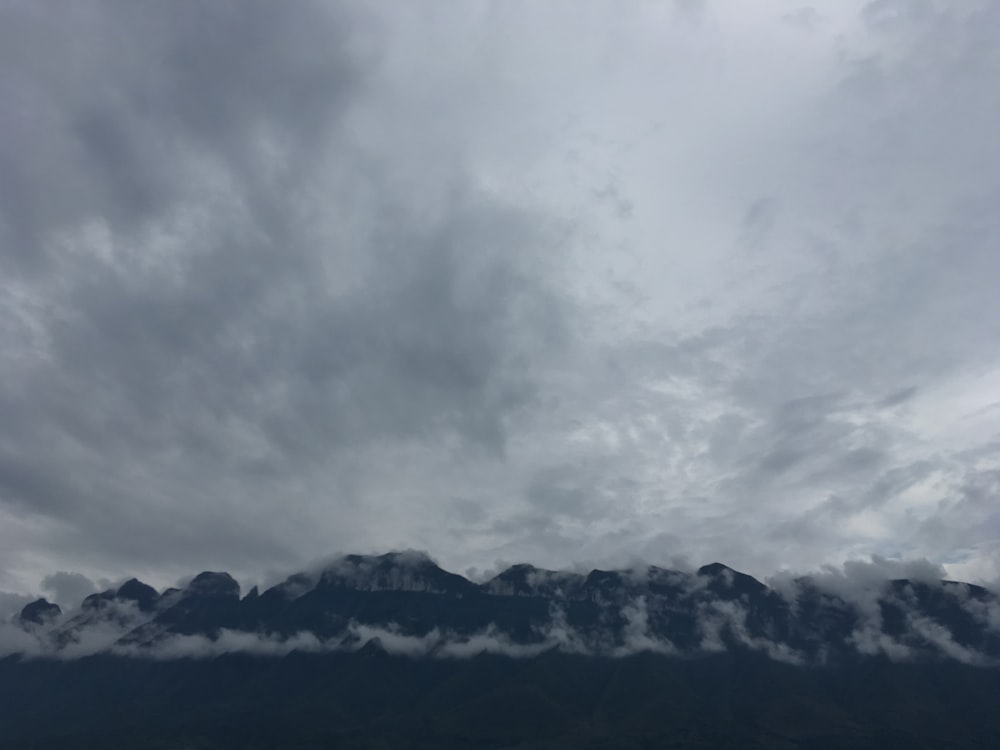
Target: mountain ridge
[(409, 605)]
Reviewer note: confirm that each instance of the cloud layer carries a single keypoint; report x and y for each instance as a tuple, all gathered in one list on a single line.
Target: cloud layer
[(501, 281)]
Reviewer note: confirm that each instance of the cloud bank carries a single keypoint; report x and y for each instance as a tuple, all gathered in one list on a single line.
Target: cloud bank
[(502, 281)]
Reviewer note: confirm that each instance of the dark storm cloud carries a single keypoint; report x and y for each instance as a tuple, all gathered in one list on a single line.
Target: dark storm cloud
[(109, 121), (219, 289)]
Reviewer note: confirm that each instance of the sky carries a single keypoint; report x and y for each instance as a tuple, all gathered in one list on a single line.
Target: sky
[(570, 283)]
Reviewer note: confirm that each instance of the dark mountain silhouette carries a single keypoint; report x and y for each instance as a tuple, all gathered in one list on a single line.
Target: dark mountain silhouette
[(604, 612), (393, 651), (39, 612)]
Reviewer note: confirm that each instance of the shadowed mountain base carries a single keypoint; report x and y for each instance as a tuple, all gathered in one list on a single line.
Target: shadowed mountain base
[(370, 699)]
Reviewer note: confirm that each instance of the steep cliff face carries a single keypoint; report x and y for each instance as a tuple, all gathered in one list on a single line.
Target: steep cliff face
[(406, 603)]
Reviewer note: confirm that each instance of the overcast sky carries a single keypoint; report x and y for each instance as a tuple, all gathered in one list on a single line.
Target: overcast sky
[(562, 282)]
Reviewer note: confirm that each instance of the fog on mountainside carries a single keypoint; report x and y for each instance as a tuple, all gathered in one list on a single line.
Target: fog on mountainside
[(393, 651), (405, 604)]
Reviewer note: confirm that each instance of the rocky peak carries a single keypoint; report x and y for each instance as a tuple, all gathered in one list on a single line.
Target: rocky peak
[(729, 583), (395, 571), (39, 612), (209, 584), (134, 590)]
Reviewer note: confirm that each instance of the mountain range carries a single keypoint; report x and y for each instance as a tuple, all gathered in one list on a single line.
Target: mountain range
[(374, 651), (405, 603)]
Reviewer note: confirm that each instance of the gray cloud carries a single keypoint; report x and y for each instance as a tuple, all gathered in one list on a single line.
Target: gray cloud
[(133, 103), (504, 282), (224, 333), (68, 588), (11, 603)]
